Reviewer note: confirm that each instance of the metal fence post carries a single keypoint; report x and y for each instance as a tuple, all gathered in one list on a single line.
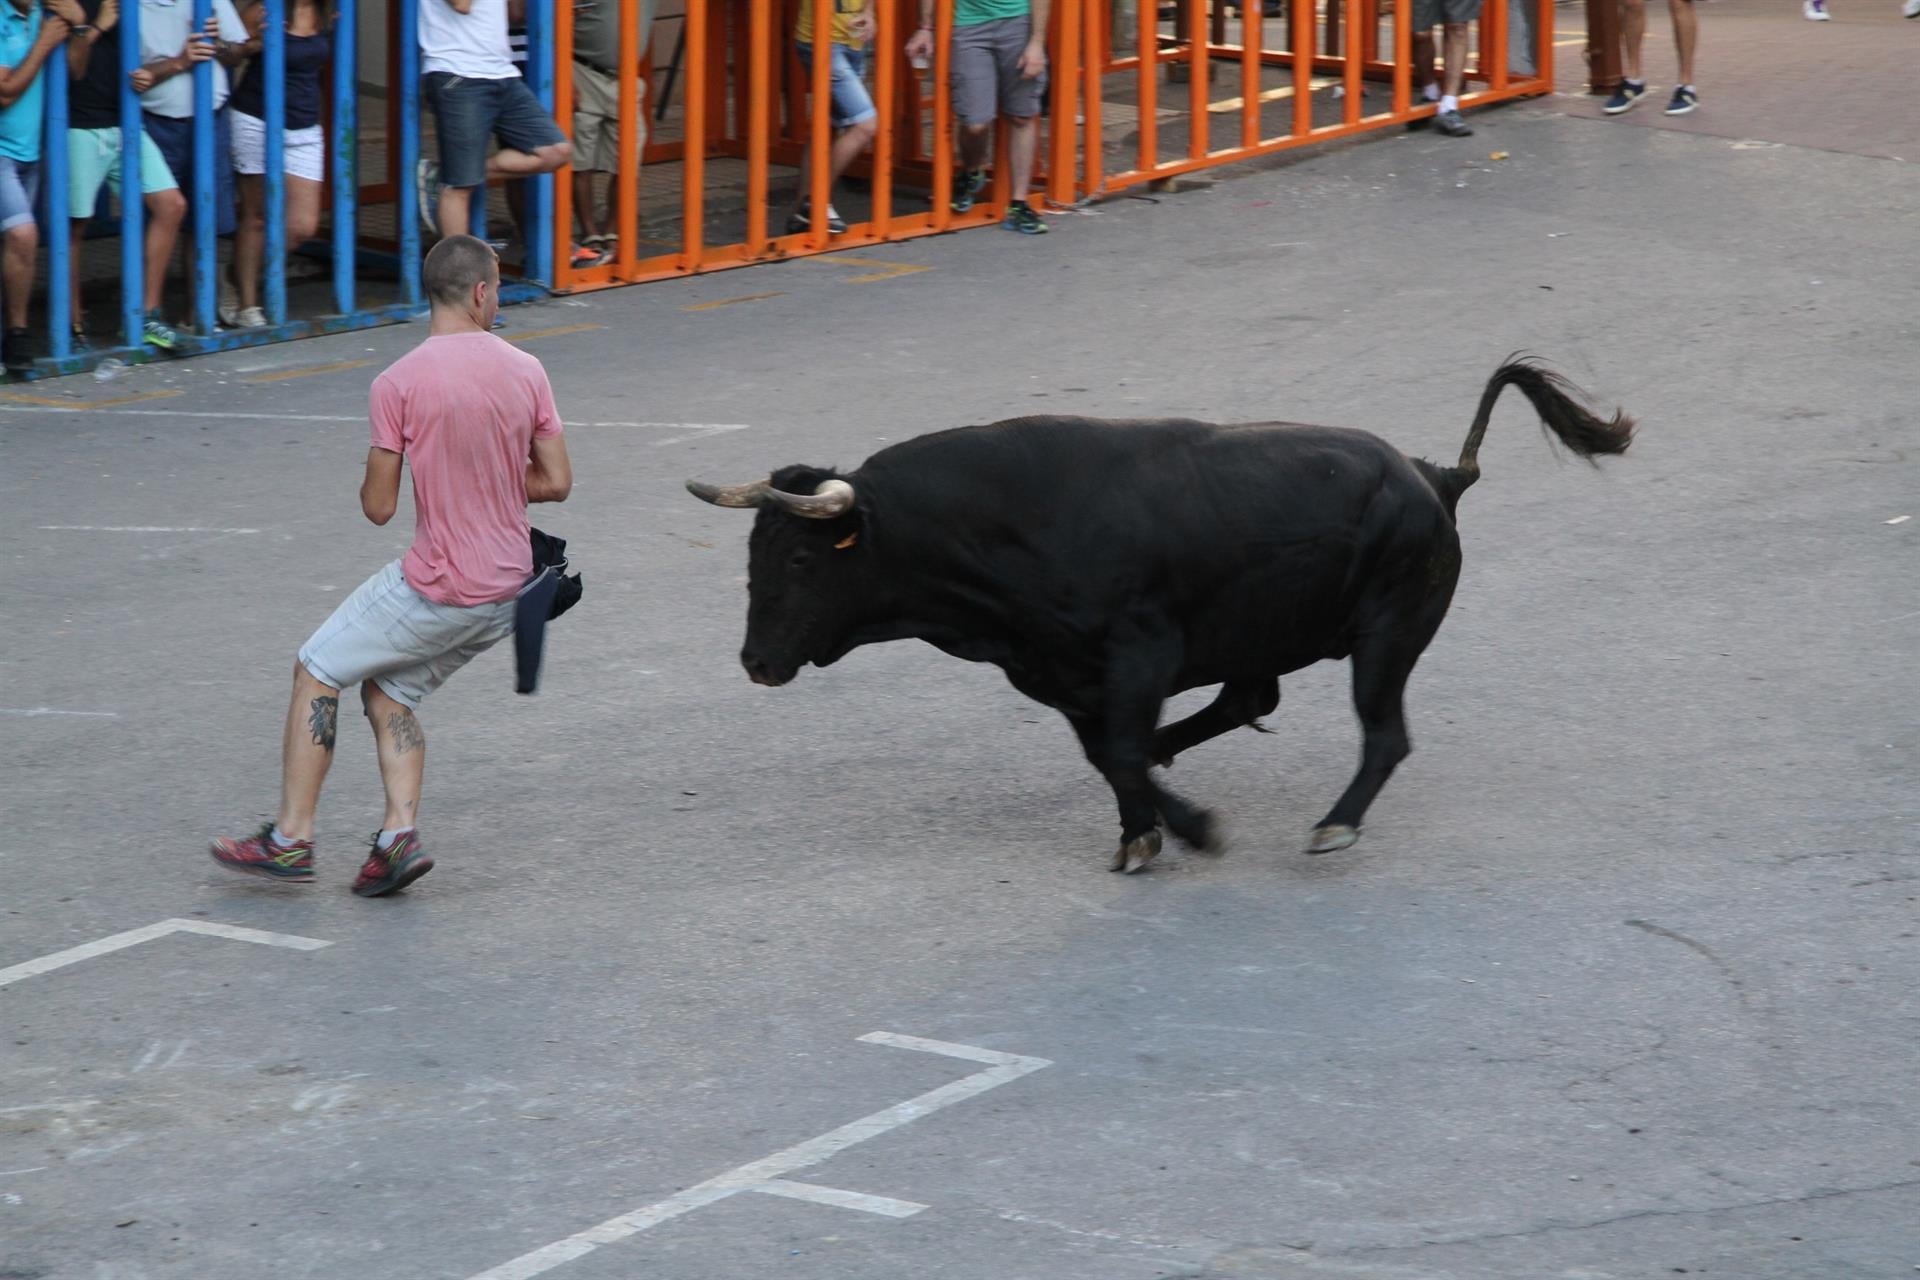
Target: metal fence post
[(346, 189), (206, 240), (60, 248), (542, 244), (407, 197), (133, 275), (273, 64), (1603, 46)]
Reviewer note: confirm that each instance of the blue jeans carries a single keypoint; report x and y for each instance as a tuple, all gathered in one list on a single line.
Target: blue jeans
[(851, 103)]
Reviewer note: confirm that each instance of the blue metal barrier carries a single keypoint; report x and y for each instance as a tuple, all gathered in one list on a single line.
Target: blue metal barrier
[(347, 255)]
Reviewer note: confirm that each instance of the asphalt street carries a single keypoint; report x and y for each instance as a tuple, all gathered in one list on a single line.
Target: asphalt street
[(1619, 982)]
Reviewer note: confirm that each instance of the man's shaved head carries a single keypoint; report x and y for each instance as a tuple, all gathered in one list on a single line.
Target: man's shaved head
[(454, 267)]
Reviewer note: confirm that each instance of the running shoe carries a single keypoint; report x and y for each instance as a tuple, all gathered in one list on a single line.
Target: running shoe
[(258, 855), (158, 333), (1684, 100), (392, 869), (1451, 124), (1626, 97), (967, 183), (1815, 11), (1021, 217)]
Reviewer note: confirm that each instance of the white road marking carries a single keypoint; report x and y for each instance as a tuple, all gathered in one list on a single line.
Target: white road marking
[(841, 1199), (1002, 1068), (10, 1173), (57, 711), (147, 933), (134, 528)]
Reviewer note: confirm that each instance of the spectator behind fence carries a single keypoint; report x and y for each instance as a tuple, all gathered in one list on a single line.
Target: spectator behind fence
[(93, 158), (1686, 34), (854, 119), (309, 42), (169, 50), (27, 38), (999, 66), (596, 122), (1454, 17), (468, 77)]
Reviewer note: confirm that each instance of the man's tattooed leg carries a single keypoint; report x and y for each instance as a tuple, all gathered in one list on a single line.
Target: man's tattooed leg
[(406, 731), (322, 721)]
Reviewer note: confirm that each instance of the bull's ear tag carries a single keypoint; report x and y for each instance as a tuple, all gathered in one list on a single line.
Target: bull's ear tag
[(847, 541)]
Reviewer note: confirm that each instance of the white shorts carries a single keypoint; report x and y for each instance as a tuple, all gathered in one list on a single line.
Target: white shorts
[(390, 634), (305, 150)]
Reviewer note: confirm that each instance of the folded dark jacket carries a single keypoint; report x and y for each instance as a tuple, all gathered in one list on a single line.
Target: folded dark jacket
[(551, 592)]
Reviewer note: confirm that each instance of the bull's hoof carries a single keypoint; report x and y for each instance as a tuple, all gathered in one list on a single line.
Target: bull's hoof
[(1332, 838), (1135, 854)]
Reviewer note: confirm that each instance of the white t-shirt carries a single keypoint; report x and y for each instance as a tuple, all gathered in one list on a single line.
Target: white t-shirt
[(164, 28), (473, 44)]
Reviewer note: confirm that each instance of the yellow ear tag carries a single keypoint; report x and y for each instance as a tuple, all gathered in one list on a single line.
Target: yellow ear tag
[(847, 541)]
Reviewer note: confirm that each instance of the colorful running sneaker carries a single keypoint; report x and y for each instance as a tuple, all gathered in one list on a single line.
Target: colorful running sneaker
[(258, 855), (158, 333), (1021, 217), (392, 869), (967, 183)]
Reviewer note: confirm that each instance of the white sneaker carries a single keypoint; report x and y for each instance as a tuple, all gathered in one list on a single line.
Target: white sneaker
[(1816, 11), (249, 318), (229, 308), (1911, 9)]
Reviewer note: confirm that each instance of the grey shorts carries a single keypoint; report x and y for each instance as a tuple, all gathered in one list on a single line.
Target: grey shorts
[(1428, 14), (390, 634), (986, 70)]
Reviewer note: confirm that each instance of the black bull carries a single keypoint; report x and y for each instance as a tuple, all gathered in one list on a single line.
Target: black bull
[(1105, 566)]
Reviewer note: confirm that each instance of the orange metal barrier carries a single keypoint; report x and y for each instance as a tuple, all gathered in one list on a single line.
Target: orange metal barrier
[(742, 110)]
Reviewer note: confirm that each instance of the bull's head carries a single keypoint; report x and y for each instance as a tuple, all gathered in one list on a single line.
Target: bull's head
[(804, 568)]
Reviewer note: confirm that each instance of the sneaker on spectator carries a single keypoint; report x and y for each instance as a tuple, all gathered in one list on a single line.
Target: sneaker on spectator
[(158, 333), (801, 219), (258, 855), (1021, 217), (1815, 11), (229, 308), (967, 183), (1684, 100), (1911, 9), (248, 318), (16, 351), (1451, 124), (392, 869), (1626, 97), (426, 185), (584, 257)]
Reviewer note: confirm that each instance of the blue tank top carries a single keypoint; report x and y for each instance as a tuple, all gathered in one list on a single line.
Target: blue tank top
[(306, 63)]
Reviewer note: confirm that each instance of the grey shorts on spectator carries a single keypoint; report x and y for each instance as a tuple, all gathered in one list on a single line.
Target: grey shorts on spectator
[(986, 70), (390, 634), (1428, 14)]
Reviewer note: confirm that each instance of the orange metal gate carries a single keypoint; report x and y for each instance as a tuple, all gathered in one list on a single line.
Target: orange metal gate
[(732, 112)]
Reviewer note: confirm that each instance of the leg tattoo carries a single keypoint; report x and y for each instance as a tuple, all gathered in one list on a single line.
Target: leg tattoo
[(322, 720), (407, 735)]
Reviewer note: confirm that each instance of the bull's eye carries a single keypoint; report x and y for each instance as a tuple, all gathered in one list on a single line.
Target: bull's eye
[(801, 559)]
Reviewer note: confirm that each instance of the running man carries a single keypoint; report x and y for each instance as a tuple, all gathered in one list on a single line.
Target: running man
[(474, 418)]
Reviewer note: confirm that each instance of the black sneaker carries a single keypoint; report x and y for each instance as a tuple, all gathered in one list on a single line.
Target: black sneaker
[(1021, 217), (16, 351), (1626, 97), (801, 219), (1684, 100), (1450, 123), (967, 184)]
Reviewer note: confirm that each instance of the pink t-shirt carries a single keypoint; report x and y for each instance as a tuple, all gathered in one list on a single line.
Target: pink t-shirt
[(465, 409)]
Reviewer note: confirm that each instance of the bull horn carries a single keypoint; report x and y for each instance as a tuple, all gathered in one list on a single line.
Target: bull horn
[(832, 498), (730, 495)]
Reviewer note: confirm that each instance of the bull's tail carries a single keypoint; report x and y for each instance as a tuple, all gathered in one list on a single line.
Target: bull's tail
[(1562, 416)]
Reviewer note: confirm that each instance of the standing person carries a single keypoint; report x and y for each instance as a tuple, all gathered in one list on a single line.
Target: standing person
[(169, 50), (999, 59), (468, 77), (309, 43), (855, 121), (1454, 17), (93, 159), (27, 39), (596, 121), (1633, 85), (474, 419)]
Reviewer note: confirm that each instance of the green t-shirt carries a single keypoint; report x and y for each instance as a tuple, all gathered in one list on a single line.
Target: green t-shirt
[(969, 13)]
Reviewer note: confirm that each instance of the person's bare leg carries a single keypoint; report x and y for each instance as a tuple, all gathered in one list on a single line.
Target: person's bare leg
[(1422, 73), (250, 238), (586, 210), (973, 145), (22, 248), (1456, 59), (403, 754), (455, 206), (1686, 32), (525, 164), (847, 146), (165, 212), (1633, 28), (1023, 140), (76, 239), (306, 751)]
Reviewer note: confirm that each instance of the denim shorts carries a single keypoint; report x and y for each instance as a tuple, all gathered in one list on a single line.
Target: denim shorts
[(470, 112), (19, 186), (851, 102), (390, 634), (175, 140)]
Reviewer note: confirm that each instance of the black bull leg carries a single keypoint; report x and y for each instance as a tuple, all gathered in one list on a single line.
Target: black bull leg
[(1240, 702)]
